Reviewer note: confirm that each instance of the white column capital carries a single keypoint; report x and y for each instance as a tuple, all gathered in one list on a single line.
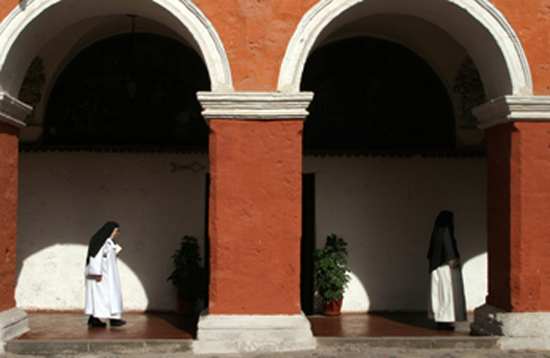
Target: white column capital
[(257, 106), (13, 111), (513, 109)]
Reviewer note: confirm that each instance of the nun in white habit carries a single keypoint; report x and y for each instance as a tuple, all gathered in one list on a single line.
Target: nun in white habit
[(446, 303), (103, 292)]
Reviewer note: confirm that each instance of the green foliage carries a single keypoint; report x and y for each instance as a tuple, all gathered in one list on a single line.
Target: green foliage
[(188, 277), (331, 269)]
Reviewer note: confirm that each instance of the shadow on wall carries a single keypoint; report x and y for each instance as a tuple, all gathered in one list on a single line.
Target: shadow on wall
[(64, 198)]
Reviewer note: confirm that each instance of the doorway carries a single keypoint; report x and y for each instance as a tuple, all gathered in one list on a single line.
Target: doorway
[(308, 244)]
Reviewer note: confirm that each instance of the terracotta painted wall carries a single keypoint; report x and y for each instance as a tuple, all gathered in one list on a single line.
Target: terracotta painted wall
[(518, 227), (255, 34), (530, 20), (530, 258), (255, 217), (9, 140), (6, 6)]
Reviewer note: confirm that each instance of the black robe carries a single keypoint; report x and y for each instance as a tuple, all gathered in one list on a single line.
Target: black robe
[(443, 243)]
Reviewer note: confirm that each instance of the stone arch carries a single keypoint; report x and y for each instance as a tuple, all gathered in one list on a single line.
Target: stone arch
[(489, 40), (23, 32)]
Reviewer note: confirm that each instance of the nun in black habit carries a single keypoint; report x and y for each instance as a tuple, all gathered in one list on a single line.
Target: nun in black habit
[(446, 301), (103, 291)]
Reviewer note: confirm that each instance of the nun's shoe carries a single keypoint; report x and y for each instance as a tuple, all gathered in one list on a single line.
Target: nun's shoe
[(117, 323), (445, 326), (95, 322)]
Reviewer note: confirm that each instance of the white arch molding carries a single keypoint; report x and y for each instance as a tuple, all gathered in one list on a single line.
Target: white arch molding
[(477, 25), (33, 23)]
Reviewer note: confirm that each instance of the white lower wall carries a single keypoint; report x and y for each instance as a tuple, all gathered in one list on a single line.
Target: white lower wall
[(384, 207), (64, 198)]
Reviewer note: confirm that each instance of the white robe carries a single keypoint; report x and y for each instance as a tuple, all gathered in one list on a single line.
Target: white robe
[(104, 298), (446, 301)]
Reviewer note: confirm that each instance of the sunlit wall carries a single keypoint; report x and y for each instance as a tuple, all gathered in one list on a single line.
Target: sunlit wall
[(384, 207)]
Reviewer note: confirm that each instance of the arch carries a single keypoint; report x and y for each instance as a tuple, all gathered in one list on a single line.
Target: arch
[(477, 25), (33, 23)]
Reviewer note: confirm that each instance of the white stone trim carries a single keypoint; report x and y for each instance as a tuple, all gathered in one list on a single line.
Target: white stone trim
[(513, 109), (13, 111), (320, 16), (255, 105), (187, 13), (13, 323), (208, 40), (519, 330), (237, 334)]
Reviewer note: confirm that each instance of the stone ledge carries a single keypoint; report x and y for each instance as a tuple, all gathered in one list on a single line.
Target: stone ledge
[(467, 342), (13, 323), (518, 330), (13, 111), (226, 334), (265, 106), (76, 347)]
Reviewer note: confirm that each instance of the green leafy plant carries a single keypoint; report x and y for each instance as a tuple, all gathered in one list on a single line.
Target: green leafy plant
[(331, 269), (188, 277)]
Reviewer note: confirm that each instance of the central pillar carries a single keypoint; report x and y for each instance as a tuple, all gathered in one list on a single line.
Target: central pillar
[(13, 321), (518, 159), (254, 224)]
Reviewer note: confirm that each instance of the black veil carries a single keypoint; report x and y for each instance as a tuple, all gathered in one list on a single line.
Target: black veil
[(99, 238)]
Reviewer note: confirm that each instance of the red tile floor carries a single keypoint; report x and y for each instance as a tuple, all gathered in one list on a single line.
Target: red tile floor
[(63, 325)]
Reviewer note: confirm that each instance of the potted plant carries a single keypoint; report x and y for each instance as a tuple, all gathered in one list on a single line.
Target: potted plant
[(331, 273), (189, 277)]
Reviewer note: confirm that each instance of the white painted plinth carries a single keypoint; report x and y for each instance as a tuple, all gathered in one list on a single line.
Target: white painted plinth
[(518, 330), (218, 334), (13, 323)]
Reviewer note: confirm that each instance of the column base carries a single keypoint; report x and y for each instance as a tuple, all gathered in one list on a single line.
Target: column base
[(518, 330), (13, 323), (218, 334)]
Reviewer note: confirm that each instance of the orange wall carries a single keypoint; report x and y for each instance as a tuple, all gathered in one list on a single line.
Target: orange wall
[(518, 212), (255, 34), (6, 6), (530, 261), (530, 20), (8, 212), (255, 216)]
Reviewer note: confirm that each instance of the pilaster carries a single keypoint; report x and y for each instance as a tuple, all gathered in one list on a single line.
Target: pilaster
[(517, 130), (13, 321), (254, 223)]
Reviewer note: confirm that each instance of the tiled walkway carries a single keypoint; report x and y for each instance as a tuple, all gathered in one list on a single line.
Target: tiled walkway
[(69, 326)]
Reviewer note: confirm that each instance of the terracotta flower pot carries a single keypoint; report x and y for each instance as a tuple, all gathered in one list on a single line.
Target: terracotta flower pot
[(333, 308)]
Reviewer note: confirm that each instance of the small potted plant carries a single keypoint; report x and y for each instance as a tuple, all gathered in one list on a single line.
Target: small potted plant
[(331, 273), (189, 277)]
